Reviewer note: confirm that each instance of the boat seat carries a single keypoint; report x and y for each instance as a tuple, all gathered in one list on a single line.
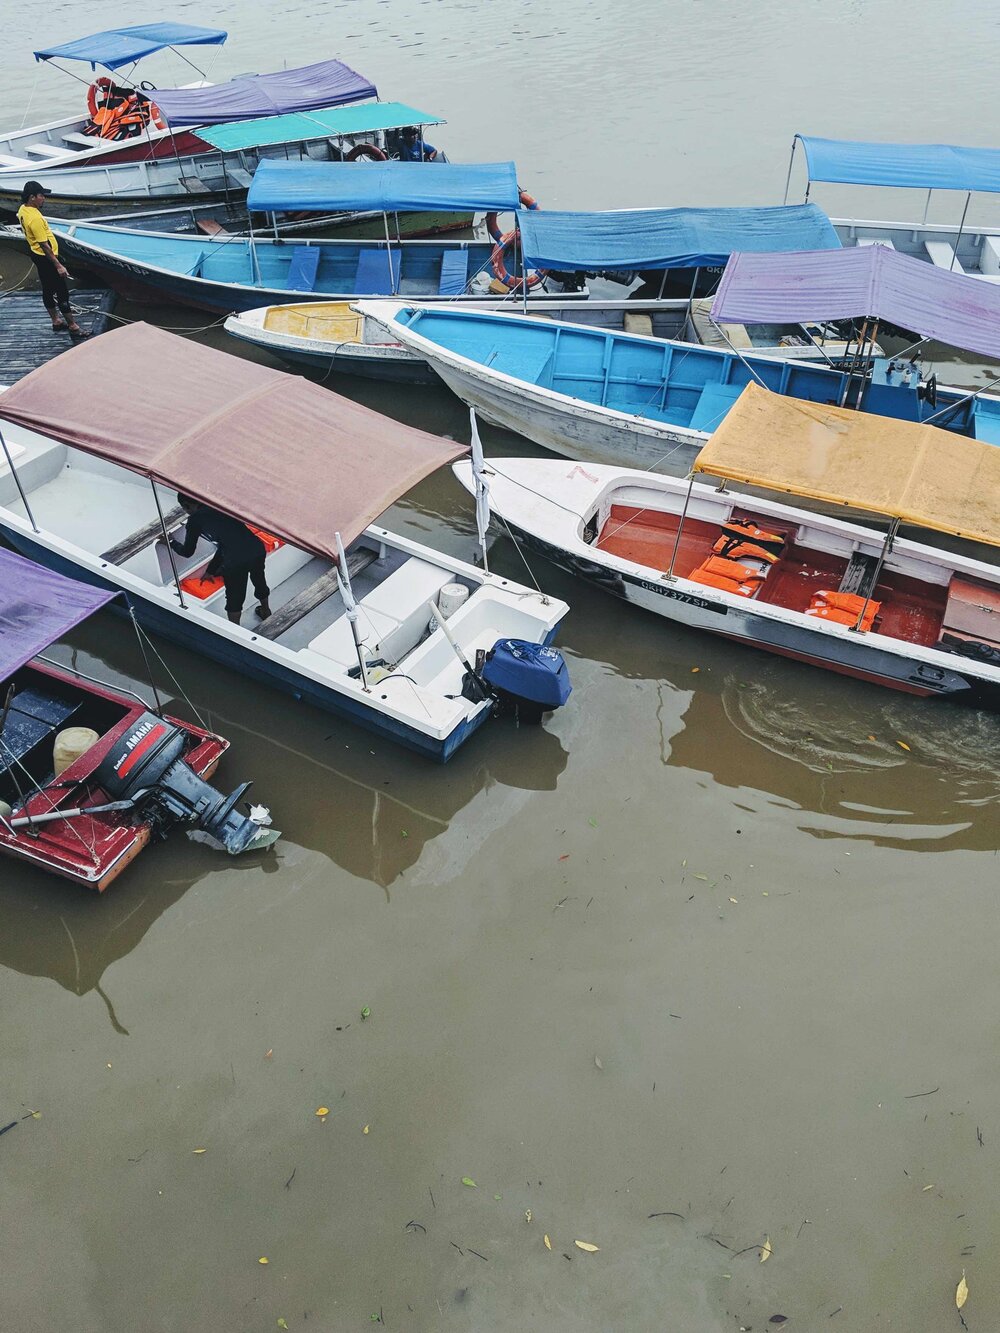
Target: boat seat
[(81, 140), (242, 178), (303, 269), (989, 258), (876, 240), (209, 227), (985, 425), (194, 185), (226, 263), (860, 574), (49, 151), (522, 363), (454, 272), (6, 161), (713, 404), (34, 718), (943, 255), (375, 273), (391, 617)]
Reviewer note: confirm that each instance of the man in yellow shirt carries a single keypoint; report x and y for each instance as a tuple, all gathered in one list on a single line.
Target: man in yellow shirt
[(45, 255)]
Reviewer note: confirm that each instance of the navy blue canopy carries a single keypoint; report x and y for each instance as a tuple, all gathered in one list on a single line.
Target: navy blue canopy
[(307, 88), (38, 606), (386, 187), (123, 46), (643, 238), (922, 166)]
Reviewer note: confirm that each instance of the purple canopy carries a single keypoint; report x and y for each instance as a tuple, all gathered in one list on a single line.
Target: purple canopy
[(870, 280), (38, 606), (308, 88)]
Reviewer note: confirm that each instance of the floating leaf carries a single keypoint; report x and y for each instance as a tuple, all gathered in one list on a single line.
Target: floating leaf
[(366, 1129), (961, 1292), (695, 670), (527, 1214), (903, 745), (322, 1110), (870, 736), (548, 1243), (701, 877), (597, 1062), (36, 1115), (732, 900), (926, 1188), (198, 1151), (765, 1250), (467, 1180), (778, 1319), (565, 856), (282, 1323), (267, 1056), (365, 1013), (263, 1259), (592, 823), (586, 1245)]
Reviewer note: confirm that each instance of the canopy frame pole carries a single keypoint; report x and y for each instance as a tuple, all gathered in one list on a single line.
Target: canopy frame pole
[(669, 576), (17, 483), (961, 228), (254, 263), (388, 251), (867, 362), (663, 285), (890, 537), (170, 549), (524, 271), (351, 609), (694, 288), (791, 159), (927, 206)]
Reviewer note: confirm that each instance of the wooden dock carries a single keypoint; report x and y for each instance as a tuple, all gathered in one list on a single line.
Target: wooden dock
[(27, 340)]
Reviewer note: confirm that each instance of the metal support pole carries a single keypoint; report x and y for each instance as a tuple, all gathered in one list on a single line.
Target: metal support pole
[(388, 251), (866, 365), (17, 483), (961, 227), (927, 205), (890, 537), (791, 159), (669, 575), (170, 549), (254, 265)]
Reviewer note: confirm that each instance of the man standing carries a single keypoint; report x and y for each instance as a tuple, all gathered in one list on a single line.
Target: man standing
[(239, 555), (45, 255)]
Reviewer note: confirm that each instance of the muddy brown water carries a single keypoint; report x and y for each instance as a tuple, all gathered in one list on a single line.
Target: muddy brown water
[(708, 960)]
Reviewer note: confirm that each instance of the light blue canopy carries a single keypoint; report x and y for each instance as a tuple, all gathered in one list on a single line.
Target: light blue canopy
[(325, 124), (922, 166), (385, 187), (645, 238), (124, 46)]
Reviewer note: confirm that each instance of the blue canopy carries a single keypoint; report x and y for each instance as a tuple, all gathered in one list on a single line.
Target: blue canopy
[(921, 166), (38, 606), (307, 88), (124, 46), (386, 187), (644, 238), (328, 124)]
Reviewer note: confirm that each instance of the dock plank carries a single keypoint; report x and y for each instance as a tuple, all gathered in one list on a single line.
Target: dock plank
[(26, 337)]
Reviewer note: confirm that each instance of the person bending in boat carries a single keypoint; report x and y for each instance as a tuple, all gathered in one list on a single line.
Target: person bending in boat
[(45, 256), (239, 555)]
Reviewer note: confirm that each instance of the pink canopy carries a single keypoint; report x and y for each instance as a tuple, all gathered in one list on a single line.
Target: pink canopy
[(266, 447)]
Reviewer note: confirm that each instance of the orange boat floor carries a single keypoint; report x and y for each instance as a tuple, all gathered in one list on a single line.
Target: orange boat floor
[(911, 611)]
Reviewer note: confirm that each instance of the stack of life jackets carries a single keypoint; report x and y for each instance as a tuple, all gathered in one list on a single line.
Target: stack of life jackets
[(844, 608), (741, 540)]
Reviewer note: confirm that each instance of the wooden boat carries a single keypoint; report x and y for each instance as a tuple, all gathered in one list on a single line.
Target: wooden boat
[(971, 250), (349, 632), (85, 140), (590, 394), (89, 775), (769, 575)]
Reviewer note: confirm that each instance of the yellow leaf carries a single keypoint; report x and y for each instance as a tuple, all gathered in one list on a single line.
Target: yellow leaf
[(527, 1214), (198, 1151), (926, 1188), (268, 1054), (322, 1110), (870, 736), (366, 1129), (548, 1243), (732, 900), (902, 745), (765, 1250), (263, 1259), (961, 1292), (282, 1323), (36, 1115), (695, 670), (586, 1245)]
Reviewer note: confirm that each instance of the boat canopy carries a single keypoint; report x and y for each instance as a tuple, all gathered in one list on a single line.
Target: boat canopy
[(923, 166), (868, 280), (124, 46), (387, 187), (37, 607), (653, 238), (919, 474), (265, 447), (254, 96), (326, 124)]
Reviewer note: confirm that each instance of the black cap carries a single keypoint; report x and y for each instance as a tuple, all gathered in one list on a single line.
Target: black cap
[(32, 187)]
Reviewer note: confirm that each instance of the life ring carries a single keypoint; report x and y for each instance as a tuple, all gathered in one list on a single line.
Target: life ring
[(527, 201), (102, 85), (369, 150), (499, 264)]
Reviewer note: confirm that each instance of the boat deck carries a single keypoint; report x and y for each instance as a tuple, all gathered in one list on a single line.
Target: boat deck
[(911, 610), (26, 337)]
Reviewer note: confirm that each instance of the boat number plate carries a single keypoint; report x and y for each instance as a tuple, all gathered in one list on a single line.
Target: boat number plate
[(665, 591)]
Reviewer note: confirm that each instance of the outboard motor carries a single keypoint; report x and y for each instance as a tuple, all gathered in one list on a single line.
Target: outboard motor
[(146, 770), (528, 677)]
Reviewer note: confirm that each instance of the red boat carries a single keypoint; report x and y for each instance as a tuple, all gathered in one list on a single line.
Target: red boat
[(89, 775)]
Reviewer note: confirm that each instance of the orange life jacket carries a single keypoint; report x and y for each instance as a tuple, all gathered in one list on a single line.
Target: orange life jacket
[(728, 576), (740, 531), (844, 608)]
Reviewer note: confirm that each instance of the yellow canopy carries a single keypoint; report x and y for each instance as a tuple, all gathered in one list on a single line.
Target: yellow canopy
[(920, 474)]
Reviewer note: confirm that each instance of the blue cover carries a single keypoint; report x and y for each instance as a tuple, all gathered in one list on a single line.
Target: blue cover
[(923, 166), (652, 238), (308, 88), (385, 187), (124, 46), (325, 124), (528, 671), (37, 607)]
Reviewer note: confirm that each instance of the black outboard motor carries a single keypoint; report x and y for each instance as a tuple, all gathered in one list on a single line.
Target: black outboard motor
[(528, 677), (146, 768)]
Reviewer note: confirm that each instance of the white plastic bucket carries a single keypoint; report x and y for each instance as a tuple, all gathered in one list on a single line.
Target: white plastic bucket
[(451, 597), (70, 744)]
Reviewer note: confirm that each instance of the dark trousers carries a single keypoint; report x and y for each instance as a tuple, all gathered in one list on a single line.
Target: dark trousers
[(54, 289), (235, 579)]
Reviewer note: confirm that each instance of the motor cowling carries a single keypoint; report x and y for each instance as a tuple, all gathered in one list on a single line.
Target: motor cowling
[(147, 766), (529, 676)]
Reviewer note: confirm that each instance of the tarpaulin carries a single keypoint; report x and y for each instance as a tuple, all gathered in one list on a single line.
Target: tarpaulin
[(326, 124), (383, 186), (307, 88), (923, 166), (123, 46), (37, 607)]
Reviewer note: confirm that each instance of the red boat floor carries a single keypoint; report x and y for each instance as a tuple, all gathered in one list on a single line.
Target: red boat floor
[(911, 611)]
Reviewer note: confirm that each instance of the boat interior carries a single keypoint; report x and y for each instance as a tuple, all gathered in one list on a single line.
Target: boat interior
[(813, 570), (59, 143), (974, 252), (112, 515)]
